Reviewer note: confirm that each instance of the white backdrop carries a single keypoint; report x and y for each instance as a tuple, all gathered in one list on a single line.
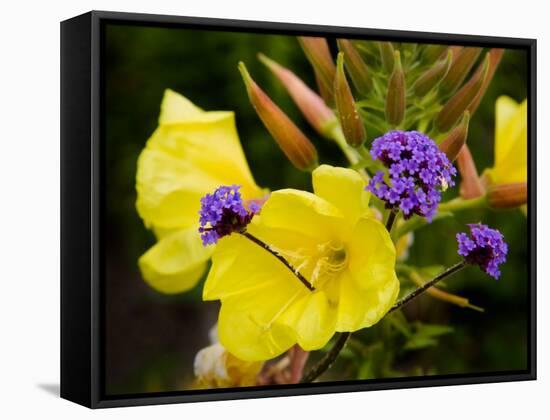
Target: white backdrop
[(29, 191)]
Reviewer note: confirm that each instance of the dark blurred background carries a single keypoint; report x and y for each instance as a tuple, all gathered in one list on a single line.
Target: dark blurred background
[(151, 339)]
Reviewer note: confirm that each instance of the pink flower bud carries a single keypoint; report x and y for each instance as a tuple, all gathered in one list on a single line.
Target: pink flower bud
[(310, 103), (295, 145)]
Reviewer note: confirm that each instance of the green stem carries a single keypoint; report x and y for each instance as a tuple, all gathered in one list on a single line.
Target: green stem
[(353, 155), (417, 292), (391, 220), (417, 222), (326, 362), (459, 204)]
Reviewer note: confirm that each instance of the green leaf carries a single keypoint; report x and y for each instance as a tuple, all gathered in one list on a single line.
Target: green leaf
[(419, 342), (399, 322), (432, 330), (366, 370), (425, 335)]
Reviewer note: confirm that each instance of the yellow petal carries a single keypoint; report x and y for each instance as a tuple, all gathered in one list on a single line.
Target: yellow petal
[(313, 319), (248, 339), (191, 153), (169, 190), (239, 266), (361, 307), (369, 287), (510, 142), (371, 254), (177, 108), (175, 263), (303, 213), (255, 289), (344, 188)]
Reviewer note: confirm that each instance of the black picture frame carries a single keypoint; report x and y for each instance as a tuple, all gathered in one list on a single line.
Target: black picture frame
[(82, 198)]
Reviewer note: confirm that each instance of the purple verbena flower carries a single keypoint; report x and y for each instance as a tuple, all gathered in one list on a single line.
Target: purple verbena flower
[(223, 212), (484, 247), (417, 172)]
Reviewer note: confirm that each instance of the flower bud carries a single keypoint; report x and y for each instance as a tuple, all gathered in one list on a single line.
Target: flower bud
[(507, 196), (495, 55), (431, 77), (295, 145), (460, 101), (387, 55), (310, 103), (396, 96), (471, 186), (352, 125), (460, 67), (356, 67), (454, 141), (433, 53), (318, 55)]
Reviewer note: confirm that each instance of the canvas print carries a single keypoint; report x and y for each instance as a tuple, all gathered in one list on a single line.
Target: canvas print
[(285, 209)]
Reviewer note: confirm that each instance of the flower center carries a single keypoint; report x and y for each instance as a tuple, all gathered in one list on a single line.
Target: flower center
[(319, 264)]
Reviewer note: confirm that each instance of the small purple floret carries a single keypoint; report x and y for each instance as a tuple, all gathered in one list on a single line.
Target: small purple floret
[(223, 213), (417, 171), (484, 247)]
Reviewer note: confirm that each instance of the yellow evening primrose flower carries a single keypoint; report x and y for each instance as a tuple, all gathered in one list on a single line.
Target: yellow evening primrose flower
[(333, 240), (510, 143), (189, 154)]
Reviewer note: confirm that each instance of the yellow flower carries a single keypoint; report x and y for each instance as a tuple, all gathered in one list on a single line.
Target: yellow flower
[(191, 153), (215, 367), (333, 240), (510, 143)]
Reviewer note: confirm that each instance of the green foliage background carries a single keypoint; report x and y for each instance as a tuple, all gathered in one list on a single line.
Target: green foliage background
[(151, 339)]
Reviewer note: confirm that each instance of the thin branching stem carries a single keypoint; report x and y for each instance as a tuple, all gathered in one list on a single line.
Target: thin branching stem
[(265, 246)]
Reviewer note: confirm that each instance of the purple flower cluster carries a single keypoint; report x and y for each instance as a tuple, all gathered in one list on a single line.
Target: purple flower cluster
[(485, 248), (223, 213), (417, 172)]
